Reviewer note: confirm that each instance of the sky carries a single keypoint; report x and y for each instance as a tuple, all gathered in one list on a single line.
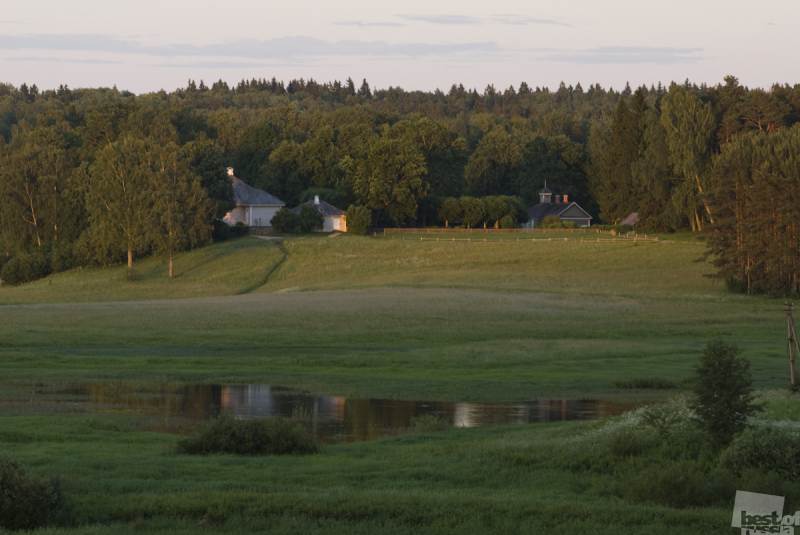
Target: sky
[(148, 45)]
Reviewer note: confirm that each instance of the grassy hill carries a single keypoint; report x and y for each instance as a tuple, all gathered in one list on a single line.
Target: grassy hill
[(393, 318), (389, 318), (229, 268)]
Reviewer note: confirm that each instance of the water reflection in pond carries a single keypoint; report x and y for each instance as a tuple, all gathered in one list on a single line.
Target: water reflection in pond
[(333, 419)]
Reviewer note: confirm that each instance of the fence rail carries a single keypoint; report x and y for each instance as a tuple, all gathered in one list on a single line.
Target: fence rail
[(485, 230), (617, 236), (620, 239)]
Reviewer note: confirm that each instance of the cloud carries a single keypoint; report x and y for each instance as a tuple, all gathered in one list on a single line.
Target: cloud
[(282, 48), (628, 55), (364, 24), (65, 60), (464, 20)]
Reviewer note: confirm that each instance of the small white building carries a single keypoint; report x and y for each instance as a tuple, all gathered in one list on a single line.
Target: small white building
[(254, 207), (334, 219)]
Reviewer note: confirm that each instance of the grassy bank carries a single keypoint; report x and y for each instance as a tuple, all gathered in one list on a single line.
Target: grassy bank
[(616, 476), (387, 318), (233, 267), (478, 481)]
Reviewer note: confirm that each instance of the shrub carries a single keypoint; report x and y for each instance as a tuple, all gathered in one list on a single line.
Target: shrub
[(735, 285), (221, 231), (629, 442), (270, 436), (555, 222), (724, 397), (508, 221), (61, 257), (28, 501), (25, 268), (358, 219), (551, 221), (765, 449), (644, 383), (428, 423), (668, 419), (310, 218), (240, 229), (285, 221)]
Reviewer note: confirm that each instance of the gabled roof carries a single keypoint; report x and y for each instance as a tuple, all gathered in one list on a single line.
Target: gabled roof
[(544, 209), (630, 220), (247, 195), (323, 208), (546, 191)]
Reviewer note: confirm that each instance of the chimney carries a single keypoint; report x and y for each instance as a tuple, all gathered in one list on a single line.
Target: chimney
[(230, 171), (558, 199), (566, 198), (316, 199)]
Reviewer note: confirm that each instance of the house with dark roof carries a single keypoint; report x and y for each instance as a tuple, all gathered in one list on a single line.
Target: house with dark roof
[(631, 220), (333, 218), (564, 209), (254, 207)]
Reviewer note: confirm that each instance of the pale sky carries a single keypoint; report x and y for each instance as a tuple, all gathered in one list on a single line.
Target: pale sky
[(147, 45)]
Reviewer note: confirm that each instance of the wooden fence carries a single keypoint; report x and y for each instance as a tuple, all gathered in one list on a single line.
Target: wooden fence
[(617, 237), (620, 239)]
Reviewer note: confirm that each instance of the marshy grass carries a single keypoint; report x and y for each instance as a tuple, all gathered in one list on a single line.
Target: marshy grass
[(644, 383)]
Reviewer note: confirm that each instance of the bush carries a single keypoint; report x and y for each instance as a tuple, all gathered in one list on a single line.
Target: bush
[(28, 501), (25, 268), (240, 229), (765, 450), (555, 222), (310, 218), (644, 383), (221, 231), (428, 423), (508, 221), (724, 397), (270, 436), (735, 285), (358, 219), (285, 221), (61, 257)]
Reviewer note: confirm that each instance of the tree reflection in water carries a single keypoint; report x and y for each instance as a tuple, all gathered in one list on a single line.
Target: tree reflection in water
[(333, 419)]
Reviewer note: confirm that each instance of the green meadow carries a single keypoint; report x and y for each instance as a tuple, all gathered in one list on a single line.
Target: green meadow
[(381, 318)]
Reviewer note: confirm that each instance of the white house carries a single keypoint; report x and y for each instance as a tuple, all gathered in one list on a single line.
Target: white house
[(254, 207), (333, 217)]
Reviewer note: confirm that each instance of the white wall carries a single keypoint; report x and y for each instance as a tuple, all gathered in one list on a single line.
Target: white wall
[(237, 214), (260, 216), (330, 226)]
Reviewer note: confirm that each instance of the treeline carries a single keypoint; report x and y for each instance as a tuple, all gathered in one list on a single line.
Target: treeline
[(657, 151)]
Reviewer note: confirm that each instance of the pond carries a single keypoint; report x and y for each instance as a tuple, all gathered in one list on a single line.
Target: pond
[(171, 407)]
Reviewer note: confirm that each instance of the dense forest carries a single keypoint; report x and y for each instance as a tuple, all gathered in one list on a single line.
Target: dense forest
[(100, 176)]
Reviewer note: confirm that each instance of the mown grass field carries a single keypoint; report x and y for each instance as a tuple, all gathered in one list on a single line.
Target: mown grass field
[(375, 317), (387, 318)]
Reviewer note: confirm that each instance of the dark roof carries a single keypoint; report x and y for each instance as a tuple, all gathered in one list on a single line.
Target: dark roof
[(546, 191), (323, 207), (544, 209), (246, 194), (630, 220)]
